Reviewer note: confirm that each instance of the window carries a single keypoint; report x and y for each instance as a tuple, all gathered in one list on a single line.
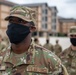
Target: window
[(54, 14), (54, 20), (44, 26), (54, 27), (46, 18), (44, 11)]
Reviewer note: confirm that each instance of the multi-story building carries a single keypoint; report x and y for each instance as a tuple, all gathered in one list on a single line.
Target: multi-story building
[(54, 20), (46, 18), (5, 7), (64, 24)]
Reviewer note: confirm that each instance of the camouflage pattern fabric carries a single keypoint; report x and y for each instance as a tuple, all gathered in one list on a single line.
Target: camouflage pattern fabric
[(25, 13), (1, 46), (68, 56), (57, 49), (36, 61), (49, 47), (72, 30)]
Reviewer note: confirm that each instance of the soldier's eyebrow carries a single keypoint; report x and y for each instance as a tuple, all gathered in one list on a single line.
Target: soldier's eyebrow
[(17, 20), (72, 35)]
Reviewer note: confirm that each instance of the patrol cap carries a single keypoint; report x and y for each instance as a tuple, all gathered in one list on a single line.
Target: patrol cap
[(72, 30), (25, 13)]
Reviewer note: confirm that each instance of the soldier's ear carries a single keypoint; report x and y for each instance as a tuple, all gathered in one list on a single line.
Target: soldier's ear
[(32, 29)]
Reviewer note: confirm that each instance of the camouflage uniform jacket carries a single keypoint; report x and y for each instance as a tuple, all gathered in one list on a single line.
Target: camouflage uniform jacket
[(68, 57), (2, 46), (49, 47), (57, 49), (36, 61)]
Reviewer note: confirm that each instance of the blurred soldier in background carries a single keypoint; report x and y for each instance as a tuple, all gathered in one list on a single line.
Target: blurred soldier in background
[(6, 40), (24, 57), (68, 56), (57, 48), (36, 40), (48, 45), (2, 43)]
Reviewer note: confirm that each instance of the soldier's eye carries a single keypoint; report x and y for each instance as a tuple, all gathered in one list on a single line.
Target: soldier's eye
[(20, 21), (72, 35)]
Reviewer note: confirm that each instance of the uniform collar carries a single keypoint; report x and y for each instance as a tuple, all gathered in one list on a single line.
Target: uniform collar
[(71, 52), (28, 59)]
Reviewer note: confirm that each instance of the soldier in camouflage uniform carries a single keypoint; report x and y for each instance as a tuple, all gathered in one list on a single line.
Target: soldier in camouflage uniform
[(48, 45), (2, 43), (24, 57), (36, 40), (57, 48), (68, 56), (2, 46)]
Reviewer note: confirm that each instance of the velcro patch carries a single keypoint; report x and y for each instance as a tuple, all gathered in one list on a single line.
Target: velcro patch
[(2, 68), (37, 69)]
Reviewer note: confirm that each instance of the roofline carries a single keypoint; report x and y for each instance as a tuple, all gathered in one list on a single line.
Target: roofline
[(53, 7), (67, 20), (35, 4), (8, 3)]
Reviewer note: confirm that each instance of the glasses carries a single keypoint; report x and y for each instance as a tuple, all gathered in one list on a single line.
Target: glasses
[(72, 35)]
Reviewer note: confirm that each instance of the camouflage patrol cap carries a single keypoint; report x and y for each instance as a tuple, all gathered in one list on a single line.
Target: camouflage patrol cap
[(25, 13), (72, 30)]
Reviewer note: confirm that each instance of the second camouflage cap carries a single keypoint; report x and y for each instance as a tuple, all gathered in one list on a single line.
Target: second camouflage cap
[(25, 13), (72, 30)]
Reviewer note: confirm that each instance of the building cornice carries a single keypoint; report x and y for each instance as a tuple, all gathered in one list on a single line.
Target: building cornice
[(8, 3)]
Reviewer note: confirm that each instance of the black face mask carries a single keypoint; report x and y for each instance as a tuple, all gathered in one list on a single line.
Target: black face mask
[(17, 32), (73, 41)]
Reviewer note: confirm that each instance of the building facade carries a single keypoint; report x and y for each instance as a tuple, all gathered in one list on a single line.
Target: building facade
[(46, 18), (54, 20), (5, 7), (64, 24), (47, 21)]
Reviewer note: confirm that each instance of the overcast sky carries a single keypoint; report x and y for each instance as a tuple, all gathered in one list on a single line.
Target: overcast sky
[(66, 8)]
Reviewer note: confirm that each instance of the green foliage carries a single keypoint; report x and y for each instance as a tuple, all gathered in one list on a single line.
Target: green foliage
[(61, 34)]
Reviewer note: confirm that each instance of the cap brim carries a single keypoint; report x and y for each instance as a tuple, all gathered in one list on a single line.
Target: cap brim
[(8, 17), (18, 16)]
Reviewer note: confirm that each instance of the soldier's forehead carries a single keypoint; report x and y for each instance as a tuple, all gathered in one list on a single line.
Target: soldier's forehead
[(73, 29)]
